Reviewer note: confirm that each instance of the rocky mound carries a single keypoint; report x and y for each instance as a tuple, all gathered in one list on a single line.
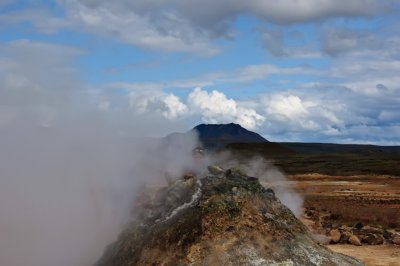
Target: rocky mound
[(219, 218), (359, 235)]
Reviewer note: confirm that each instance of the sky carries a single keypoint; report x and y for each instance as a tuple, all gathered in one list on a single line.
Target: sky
[(291, 70)]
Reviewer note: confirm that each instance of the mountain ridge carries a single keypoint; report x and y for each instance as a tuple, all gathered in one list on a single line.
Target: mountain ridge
[(227, 133), (216, 136)]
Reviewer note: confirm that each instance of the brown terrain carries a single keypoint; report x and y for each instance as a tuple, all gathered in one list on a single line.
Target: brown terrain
[(351, 194), (366, 201), (369, 199), (383, 255)]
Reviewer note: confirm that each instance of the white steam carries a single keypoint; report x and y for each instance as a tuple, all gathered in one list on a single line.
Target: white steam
[(66, 192), (272, 177), (71, 158), (68, 169), (269, 176)]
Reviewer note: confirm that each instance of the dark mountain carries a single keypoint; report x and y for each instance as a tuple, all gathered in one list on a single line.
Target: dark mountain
[(218, 135), (231, 136)]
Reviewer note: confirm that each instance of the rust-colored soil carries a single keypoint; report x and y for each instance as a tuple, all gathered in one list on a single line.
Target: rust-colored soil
[(347, 200), (382, 255), (370, 199)]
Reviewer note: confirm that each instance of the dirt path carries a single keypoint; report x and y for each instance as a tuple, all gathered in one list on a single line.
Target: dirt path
[(382, 255)]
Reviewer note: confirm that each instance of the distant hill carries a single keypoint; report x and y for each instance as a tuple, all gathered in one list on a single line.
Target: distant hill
[(219, 135), (322, 148), (328, 159), (295, 158), (231, 137)]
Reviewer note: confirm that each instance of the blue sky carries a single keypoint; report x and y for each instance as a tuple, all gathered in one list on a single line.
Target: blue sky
[(306, 70)]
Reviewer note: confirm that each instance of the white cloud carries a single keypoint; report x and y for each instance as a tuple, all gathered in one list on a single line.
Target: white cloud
[(290, 106), (303, 112), (249, 118), (215, 107), (168, 105), (175, 107), (331, 113), (212, 104)]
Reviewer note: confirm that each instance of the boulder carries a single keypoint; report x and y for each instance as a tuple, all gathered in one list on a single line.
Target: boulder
[(215, 170), (396, 240), (354, 240), (387, 234), (371, 230), (345, 236), (373, 239), (335, 235)]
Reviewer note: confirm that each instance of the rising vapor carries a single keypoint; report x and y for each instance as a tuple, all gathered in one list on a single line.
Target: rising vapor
[(69, 169)]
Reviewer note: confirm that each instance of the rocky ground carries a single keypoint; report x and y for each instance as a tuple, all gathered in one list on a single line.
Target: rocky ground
[(221, 217), (369, 199), (381, 255), (358, 215)]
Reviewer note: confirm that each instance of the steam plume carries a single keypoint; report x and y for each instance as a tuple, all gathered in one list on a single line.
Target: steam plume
[(68, 167), (268, 174)]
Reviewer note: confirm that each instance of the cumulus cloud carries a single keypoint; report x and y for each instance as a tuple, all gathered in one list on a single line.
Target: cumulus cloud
[(175, 107), (169, 105), (330, 113), (290, 106), (215, 107)]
